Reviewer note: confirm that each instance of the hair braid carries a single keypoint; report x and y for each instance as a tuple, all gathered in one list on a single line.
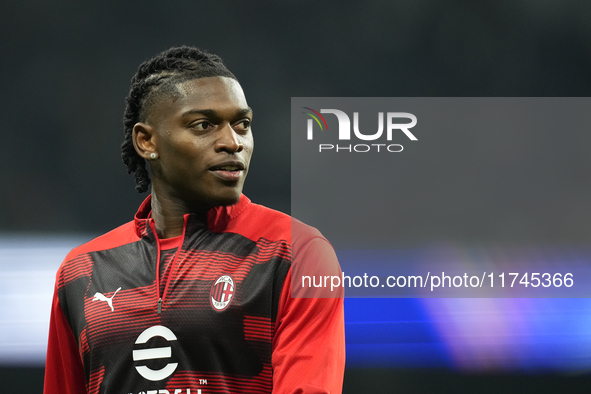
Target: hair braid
[(173, 66)]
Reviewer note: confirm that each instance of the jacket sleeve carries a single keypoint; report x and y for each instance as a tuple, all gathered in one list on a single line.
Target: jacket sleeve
[(309, 342), (64, 373)]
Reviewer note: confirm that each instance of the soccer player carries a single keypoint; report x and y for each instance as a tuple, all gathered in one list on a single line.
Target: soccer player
[(193, 295)]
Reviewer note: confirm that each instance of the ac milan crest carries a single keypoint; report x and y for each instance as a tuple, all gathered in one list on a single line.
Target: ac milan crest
[(222, 292)]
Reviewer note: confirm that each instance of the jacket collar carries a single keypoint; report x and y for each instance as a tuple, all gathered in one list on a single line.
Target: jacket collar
[(217, 217)]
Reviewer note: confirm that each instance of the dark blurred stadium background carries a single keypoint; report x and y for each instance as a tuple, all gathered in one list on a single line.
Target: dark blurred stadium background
[(66, 67)]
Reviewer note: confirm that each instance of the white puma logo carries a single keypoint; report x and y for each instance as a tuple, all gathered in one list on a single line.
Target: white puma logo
[(101, 297)]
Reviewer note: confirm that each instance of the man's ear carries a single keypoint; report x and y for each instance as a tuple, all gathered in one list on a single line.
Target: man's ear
[(144, 141)]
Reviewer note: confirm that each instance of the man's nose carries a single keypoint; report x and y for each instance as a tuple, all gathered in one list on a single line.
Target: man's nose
[(229, 140)]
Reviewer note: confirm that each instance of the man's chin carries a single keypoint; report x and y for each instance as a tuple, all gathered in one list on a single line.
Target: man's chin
[(222, 201)]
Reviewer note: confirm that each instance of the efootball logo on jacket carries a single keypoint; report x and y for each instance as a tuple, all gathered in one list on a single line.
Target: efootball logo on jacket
[(222, 292)]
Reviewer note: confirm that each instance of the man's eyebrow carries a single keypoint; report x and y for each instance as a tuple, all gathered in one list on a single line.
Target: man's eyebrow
[(214, 114), (245, 111)]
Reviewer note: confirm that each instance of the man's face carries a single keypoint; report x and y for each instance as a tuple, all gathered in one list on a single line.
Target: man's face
[(203, 141)]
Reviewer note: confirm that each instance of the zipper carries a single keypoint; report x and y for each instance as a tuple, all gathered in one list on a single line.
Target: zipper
[(162, 296)]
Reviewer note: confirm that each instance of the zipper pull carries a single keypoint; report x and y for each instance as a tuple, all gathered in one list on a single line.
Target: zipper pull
[(159, 305)]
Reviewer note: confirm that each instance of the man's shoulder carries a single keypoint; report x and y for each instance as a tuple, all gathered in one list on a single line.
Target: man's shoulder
[(119, 236)]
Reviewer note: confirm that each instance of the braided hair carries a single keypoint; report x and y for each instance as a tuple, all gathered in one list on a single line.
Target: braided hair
[(155, 78)]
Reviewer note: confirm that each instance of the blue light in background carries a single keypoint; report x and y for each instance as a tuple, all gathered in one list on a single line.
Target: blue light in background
[(391, 332), (478, 334)]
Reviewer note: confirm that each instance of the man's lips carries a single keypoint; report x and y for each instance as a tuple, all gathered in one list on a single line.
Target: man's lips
[(229, 171), (234, 165)]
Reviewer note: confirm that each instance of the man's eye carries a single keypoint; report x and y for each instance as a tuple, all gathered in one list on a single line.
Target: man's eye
[(243, 125), (201, 126)]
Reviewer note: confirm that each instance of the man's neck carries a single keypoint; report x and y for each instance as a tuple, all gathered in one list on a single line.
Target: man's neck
[(168, 214)]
